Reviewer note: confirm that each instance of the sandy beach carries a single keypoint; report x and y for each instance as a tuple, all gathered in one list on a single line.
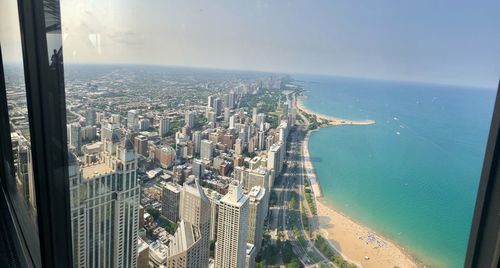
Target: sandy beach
[(356, 242), (353, 240), (334, 121)]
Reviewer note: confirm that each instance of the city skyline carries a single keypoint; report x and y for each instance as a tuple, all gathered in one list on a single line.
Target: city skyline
[(407, 41)]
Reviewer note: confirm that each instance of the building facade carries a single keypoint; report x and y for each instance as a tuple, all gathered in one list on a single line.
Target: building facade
[(105, 209), (170, 201), (231, 244)]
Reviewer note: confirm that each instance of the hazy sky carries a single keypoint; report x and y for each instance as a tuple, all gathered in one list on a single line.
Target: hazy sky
[(452, 41)]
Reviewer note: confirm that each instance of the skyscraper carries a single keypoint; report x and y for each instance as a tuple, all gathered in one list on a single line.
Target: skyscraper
[(144, 124), (141, 145), (257, 212), (231, 99), (206, 150), (74, 137), (189, 119), (226, 114), (196, 137), (210, 101), (90, 117), (164, 126), (105, 209), (190, 246), (217, 106), (274, 161), (170, 201), (132, 120), (232, 229)]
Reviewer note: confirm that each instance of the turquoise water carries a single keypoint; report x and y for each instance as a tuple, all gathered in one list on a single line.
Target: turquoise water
[(413, 176)]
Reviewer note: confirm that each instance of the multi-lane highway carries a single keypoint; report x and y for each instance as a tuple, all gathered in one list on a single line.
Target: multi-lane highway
[(282, 218)]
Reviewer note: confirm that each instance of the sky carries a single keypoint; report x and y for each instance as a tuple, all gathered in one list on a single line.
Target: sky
[(435, 41)]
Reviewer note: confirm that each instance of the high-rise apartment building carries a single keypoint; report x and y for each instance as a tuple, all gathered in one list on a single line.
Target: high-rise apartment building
[(74, 137), (227, 113), (206, 150), (257, 212), (254, 115), (105, 209), (189, 119), (214, 198), (170, 201), (252, 177), (217, 106), (132, 120), (164, 127), (141, 145), (210, 101), (232, 229), (90, 117), (275, 161), (144, 124), (190, 246), (196, 137)]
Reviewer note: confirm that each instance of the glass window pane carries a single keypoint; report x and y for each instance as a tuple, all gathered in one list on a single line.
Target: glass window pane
[(365, 127), (22, 186)]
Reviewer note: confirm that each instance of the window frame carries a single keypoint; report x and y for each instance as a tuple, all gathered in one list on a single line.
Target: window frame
[(45, 239), (7, 179), (483, 249)]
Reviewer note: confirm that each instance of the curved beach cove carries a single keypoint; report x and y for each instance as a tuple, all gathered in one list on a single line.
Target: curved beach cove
[(411, 178)]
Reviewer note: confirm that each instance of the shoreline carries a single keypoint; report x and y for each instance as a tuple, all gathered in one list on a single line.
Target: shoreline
[(353, 240), (332, 121)]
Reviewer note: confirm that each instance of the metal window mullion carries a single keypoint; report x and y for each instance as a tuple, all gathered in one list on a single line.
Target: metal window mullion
[(47, 119), (484, 240)]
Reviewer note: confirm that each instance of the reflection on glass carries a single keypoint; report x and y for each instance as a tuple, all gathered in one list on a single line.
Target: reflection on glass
[(10, 38)]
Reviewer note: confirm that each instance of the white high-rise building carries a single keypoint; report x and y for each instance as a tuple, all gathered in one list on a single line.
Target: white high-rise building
[(75, 137), (257, 212), (206, 150), (274, 161), (232, 229), (231, 99), (115, 119), (132, 120), (261, 118), (210, 102), (164, 126), (231, 121), (190, 246), (214, 198), (254, 115), (105, 209), (227, 113)]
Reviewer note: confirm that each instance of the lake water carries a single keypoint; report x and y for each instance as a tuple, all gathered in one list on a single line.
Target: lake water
[(412, 176)]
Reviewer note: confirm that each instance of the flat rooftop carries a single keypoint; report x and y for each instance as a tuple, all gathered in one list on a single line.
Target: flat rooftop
[(95, 170)]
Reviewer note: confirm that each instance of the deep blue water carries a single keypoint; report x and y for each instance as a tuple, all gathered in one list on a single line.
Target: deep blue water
[(413, 176)]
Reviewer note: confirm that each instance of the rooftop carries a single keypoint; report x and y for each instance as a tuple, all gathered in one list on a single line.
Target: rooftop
[(257, 192), (96, 170), (158, 251), (174, 187)]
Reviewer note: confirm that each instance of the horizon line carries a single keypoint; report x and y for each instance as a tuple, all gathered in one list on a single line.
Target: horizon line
[(291, 73)]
